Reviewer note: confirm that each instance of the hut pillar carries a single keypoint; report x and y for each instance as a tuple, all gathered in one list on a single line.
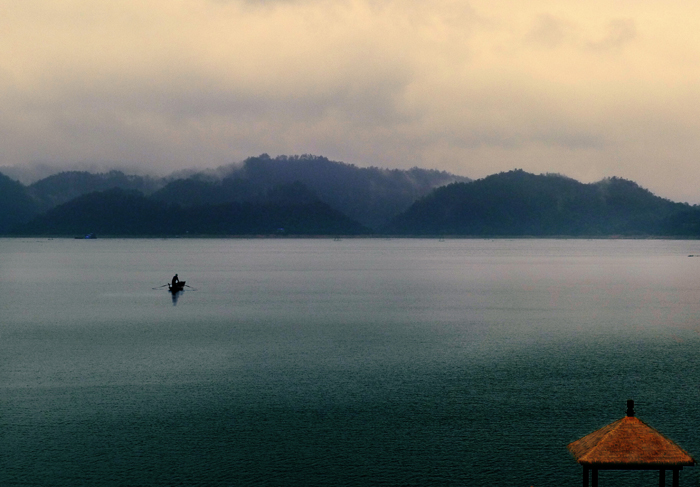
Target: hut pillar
[(675, 477)]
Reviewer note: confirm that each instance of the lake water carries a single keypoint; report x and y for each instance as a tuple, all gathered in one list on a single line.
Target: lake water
[(353, 362)]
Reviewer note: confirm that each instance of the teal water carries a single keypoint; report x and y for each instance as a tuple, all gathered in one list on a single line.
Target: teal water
[(354, 362)]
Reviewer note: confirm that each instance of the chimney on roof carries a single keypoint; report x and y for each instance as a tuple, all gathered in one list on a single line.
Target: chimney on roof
[(630, 408)]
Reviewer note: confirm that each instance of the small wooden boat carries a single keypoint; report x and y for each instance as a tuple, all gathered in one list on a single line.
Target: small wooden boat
[(177, 287)]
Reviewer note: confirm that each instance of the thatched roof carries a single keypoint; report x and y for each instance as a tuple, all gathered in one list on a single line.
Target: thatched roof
[(628, 443)]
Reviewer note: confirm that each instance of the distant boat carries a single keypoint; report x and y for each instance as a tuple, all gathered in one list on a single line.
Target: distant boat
[(177, 287)]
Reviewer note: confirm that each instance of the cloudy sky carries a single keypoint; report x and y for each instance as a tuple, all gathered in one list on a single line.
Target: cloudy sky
[(586, 89)]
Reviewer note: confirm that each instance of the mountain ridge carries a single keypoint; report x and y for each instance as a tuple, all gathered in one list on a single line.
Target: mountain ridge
[(369, 195), (517, 203), (287, 196)]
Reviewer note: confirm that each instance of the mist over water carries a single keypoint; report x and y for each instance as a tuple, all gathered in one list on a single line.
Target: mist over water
[(354, 362)]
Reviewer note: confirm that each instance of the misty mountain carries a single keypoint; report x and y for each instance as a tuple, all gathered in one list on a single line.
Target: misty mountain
[(65, 186), (289, 211), (16, 206), (517, 203), (195, 191), (312, 195), (369, 195)]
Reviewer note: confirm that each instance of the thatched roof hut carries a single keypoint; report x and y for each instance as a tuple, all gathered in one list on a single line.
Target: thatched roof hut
[(629, 444)]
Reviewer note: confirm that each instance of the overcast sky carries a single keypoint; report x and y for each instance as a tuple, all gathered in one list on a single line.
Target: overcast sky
[(586, 89)]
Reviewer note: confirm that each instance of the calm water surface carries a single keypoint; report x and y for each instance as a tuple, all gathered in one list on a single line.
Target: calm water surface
[(354, 362)]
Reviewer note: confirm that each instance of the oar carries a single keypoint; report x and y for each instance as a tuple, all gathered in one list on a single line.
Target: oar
[(187, 285), (159, 286)]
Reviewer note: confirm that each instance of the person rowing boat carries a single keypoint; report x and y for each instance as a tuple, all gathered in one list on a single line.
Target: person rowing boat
[(176, 285)]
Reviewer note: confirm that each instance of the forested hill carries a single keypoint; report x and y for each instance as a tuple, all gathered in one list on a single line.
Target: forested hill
[(16, 206), (314, 196), (371, 195), (65, 186), (129, 213), (517, 203), (328, 197)]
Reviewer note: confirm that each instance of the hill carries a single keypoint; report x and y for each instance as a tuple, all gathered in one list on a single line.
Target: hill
[(130, 213), (372, 196), (517, 203), (65, 186), (16, 206), (311, 195)]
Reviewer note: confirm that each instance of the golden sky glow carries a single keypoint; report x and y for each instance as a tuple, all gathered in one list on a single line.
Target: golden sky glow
[(587, 89)]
